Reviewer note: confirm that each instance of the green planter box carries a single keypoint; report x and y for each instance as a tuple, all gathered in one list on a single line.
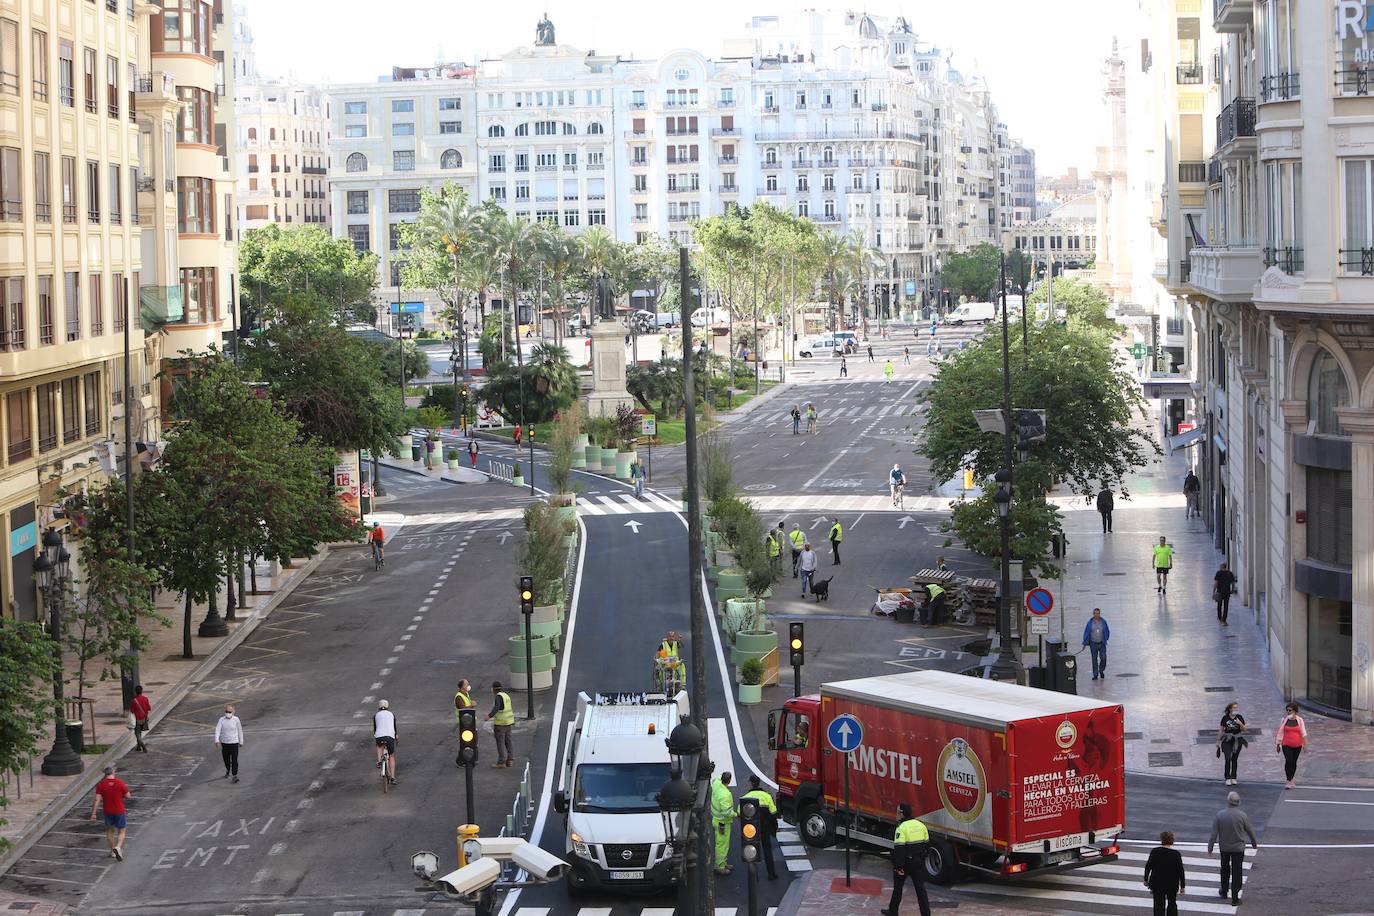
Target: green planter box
[(579, 459), (593, 457), (739, 612), (723, 593), (622, 465), (550, 629), (517, 480), (750, 694), (731, 577), (608, 460), (753, 645)]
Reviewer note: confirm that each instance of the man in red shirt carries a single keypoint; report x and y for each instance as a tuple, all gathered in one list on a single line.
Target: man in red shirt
[(112, 791), (141, 709)]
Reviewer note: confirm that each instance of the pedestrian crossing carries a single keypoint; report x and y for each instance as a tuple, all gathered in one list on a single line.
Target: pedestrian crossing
[(829, 414), (1111, 887), (629, 504), (629, 909)]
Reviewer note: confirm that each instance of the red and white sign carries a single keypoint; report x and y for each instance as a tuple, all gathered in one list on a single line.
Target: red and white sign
[(346, 478)]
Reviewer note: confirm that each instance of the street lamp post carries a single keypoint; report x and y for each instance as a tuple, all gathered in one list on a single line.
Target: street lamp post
[(1007, 663), (51, 567)]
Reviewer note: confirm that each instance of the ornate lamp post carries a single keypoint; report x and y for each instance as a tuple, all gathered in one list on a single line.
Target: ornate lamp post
[(682, 802), (51, 567)]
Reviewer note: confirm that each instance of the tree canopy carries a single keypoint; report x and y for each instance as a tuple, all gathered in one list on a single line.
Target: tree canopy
[(974, 274), (1083, 303), (303, 274)]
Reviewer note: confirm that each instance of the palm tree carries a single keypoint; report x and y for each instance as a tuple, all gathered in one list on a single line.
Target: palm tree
[(456, 225), (561, 255), (601, 255), (513, 244), (837, 258)]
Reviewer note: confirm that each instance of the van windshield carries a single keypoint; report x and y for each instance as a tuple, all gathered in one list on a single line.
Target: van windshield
[(619, 788)]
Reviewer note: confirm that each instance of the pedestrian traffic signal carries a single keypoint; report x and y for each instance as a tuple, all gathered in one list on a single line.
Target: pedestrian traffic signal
[(467, 737), (796, 642), (750, 830), (527, 594)]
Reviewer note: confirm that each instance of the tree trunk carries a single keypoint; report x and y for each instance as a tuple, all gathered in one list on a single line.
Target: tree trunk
[(230, 603), (238, 574), (253, 571), (186, 630)]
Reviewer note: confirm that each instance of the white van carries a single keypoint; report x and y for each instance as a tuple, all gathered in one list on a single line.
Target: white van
[(708, 316), (666, 319), (981, 312), (824, 344)]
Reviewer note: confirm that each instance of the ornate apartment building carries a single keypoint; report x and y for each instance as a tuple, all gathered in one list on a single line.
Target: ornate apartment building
[(845, 118), (1269, 215)]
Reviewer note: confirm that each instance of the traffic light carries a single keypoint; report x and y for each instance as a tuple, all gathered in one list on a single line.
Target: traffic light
[(467, 737), (527, 594), (796, 642), (750, 830)]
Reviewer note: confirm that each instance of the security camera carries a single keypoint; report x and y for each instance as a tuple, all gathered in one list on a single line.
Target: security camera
[(538, 864), (471, 879), (425, 865)]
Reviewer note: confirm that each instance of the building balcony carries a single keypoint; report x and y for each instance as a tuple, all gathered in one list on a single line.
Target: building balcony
[(725, 103), (640, 104), (728, 189), (313, 170), (1188, 74), (1192, 172), (771, 164), (1236, 128), (803, 164), (684, 190), (636, 134), (769, 192), (1214, 171), (1280, 87), (1285, 256), (727, 160), (770, 109), (1227, 274), (725, 131), (596, 166), (1353, 80), (1232, 15), (826, 218)]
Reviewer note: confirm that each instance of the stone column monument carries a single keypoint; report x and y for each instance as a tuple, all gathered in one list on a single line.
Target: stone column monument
[(608, 357)]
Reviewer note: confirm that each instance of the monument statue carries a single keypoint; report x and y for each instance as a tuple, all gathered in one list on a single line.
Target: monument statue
[(605, 297), (543, 33)]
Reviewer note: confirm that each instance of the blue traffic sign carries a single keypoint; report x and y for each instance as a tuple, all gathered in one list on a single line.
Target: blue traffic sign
[(1039, 601), (407, 308), (845, 733)]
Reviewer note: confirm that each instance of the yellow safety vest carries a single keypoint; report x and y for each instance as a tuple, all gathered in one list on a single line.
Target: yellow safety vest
[(763, 798), (836, 532), (798, 539), (506, 716), (935, 591), (669, 649), (774, 548), (461, 701), (912, 831)]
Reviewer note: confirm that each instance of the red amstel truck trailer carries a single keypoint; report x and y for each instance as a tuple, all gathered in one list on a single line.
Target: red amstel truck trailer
[(1008, 779)]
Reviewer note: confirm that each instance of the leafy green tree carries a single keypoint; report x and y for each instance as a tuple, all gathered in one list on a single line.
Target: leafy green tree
[(27, 668), (302, 273), (974, 274), (1083, 303), (561, 256), (515, 242), (659, 381), (551, 384)]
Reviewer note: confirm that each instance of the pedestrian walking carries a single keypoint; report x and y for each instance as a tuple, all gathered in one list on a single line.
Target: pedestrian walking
[(811, 419), (229, 738), (1230, 829), (798, 540), (1223, 588), (1192, 491), (887, 371), (516, 434), (1231, 741), (430, 445), (722, 816), (1290, 740), (836, 535), (844, 367), (908, 860), (1095, 636), (773, 542), (770, 822), (1163, 555), (139, 711), (637, 476), (1105, 504), (111, 792), (796, 421), (1164, 875), (870, 353), (808, 567), (473, 448), (502, 718), (930, 347), (906, 356)]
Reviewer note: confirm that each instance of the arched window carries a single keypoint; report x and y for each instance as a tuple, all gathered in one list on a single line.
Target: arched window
[(357, 162), (496, 130), (272, 134), (451, 159), (595, 128), (522, 130), (252, 133), (770, 155), (1327, 389), (828, 154)]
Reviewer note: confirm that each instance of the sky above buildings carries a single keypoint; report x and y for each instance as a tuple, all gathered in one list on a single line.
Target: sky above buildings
[(1041, 58)]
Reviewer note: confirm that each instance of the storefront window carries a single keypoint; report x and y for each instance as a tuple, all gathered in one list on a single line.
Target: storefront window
[(1328, 652), (1326, 390)]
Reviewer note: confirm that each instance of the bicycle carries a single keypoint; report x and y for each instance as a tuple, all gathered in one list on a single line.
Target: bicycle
[(898, 495), (386, 770), (378, 555)]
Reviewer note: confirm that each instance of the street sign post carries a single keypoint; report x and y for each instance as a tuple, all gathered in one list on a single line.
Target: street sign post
[(1039, 601), (648, 427), (1040, 626), (846, 735)]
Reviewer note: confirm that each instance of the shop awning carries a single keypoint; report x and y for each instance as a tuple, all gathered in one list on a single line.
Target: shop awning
[(1183, 440)]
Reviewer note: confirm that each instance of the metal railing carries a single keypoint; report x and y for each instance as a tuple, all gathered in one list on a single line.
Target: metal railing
[(1214, 171), (1353, 80), (1185, 270), (1358, 261), (1287, 258), (1192, 172), (1188, 74), (1280, 87), (1236, 120)]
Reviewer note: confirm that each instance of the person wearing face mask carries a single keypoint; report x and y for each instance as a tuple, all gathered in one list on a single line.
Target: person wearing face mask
[(1231, 740), (229, 738)]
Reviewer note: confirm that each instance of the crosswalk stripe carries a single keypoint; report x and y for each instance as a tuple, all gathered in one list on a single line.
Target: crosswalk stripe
[(666, 504), (1090, 879), (533, 911), (1039, 893), (614, 506), (587, 507), (1195, 861), (1206, 875)]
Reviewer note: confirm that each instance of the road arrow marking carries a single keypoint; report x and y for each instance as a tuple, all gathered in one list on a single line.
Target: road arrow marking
[(504, 536), (819, 520), (633, 525), (902, 522)]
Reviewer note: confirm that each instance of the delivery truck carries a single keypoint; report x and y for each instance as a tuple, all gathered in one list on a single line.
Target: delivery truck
[(1009, 780)]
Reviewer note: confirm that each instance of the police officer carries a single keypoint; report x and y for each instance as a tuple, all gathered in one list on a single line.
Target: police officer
[(722, 816), (798, 539), (774, 545), (908, 858), (935, 603), (836, 535), (770, 822)]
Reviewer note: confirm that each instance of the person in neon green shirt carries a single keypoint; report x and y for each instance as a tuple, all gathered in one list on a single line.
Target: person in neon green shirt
[(1164, 561), (887, 371), (722, 816)]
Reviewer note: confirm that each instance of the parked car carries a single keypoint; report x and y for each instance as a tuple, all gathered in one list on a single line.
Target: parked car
[(708, 316), (578, 325)]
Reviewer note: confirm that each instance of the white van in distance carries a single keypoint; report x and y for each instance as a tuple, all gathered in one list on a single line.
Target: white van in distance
[(981, 312)]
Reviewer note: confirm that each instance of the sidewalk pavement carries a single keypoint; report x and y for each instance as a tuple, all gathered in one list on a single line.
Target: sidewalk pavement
[(38, 801), (440, 471), (29, 906), (1170, 662), (823, 892)]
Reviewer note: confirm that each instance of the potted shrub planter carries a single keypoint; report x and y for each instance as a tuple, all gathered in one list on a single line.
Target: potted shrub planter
[(608, 460), (542, 658), (579, 459), (565, 503), (754, 643), (742, 614), (452, 459), (518, 480), (750, 682), (730, 576), (622, 464)]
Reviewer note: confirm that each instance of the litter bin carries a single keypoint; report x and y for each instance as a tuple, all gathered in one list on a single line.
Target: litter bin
[(76, 736), (1065, 672), (414, 452), (1038, 676), (905, 612)]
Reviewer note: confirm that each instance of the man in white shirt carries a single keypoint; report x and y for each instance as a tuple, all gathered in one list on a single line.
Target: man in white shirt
[(229, 738), (384, 734), (808, 567)]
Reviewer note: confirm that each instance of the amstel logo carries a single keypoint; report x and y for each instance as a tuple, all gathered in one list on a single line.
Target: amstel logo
[(1065, 735), (963, 786)]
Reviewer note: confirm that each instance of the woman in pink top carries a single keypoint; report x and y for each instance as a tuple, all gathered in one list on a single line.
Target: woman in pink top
[(1290, 739)]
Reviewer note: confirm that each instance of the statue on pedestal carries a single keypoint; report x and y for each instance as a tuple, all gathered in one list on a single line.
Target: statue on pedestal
[(605, 298), (543, 33)]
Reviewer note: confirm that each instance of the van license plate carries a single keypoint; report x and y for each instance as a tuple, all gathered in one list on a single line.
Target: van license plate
[(1057, 857), (627, 876)]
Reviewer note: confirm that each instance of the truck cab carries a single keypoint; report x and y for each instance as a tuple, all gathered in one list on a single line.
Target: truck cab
[(616, 762), (796, 746)]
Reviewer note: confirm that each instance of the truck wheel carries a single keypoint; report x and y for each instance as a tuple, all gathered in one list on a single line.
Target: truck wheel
[(817, 827), (942, 865)]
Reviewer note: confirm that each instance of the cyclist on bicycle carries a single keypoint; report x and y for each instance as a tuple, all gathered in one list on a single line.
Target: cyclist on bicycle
[(376, 537), (896, 480), (384, 734)]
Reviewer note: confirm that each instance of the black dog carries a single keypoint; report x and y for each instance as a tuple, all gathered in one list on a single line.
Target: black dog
[(821, 589)]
